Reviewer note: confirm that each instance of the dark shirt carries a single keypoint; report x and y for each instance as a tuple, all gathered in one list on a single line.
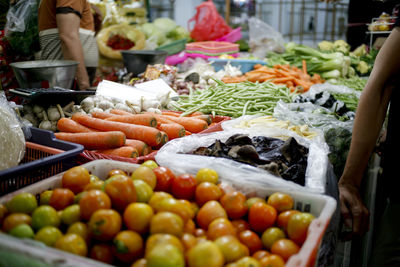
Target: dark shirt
[(391, 156)]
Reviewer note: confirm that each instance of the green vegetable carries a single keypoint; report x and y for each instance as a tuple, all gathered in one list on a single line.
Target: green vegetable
[(356, 83), (178, 33), (362, 67), (325, 46), (166, 25), (333, 74), (235, 100)]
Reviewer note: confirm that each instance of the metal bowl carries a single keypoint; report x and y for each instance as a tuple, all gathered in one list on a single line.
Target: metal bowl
[(136, 61), (45, 73)]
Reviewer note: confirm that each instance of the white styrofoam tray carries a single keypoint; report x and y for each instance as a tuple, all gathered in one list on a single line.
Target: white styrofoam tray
[(321, 206)]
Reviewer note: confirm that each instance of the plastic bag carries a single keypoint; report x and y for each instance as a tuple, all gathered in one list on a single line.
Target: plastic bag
[(12, 139), (22, 30), (209, 25), (263, 38), (337, 133), (125, 31), (174, 152)]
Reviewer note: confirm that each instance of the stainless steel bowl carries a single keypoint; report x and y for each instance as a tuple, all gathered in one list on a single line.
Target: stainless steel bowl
[(45, 73), (136, 61)]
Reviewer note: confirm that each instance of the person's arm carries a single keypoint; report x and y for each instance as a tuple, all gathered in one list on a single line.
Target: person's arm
[(370, 115), (68, 28)]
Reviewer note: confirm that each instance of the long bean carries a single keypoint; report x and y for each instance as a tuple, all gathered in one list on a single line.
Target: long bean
[(235, 99)]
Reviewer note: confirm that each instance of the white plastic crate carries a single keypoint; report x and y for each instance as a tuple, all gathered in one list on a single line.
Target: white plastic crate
[(322, 207)]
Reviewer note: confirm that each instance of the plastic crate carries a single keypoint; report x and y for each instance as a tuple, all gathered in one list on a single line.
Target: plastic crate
[(45, 156), (245, 65), (174, 47), (321, 206)]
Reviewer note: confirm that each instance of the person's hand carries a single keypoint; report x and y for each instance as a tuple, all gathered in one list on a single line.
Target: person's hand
[(354, 213), (83, 85), (97, 18)]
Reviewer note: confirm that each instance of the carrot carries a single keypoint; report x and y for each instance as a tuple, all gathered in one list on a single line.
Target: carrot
[(140, 119), (283, 80), (191, 124), (164, 140), (162, 119), (206, 118), (304, 66), (149, 135), (120, 112), (101, 115), (71, 126), (95, 140), (196, 113), (187, 133), (142, 148), (124, 151), (173, 130), (170, 113)]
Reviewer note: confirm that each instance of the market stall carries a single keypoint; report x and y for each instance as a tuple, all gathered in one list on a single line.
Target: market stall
[(194, 147)]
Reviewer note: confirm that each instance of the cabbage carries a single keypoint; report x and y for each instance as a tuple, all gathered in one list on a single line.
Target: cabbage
[(178, 33), (166, 25), (150, 30)]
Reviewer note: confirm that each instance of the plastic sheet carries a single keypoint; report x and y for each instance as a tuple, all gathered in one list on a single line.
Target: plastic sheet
[(173, 154), (124, 30), (263, 38), (12, 140)]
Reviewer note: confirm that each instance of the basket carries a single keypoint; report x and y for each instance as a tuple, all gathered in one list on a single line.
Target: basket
[(45, 156), (174, 47), (322, 207)]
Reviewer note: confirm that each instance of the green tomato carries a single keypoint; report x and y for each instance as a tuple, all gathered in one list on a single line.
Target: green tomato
[(71, 214), (150, 163), (22, 203), (22, 231), (143, 191)]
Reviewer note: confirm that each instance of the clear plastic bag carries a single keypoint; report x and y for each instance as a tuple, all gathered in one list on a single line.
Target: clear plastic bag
[(22, 30), (12, 139), (173, 154), (263, 38), (337, 133)]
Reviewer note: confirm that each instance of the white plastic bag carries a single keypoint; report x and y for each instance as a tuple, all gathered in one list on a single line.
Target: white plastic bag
[(12, 139), (173, 155), (263, 38)]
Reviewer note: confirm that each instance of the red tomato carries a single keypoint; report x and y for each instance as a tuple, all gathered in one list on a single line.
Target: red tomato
[(261, 216), (240, 225), (251, 240), (61, 198), (235, 204), (184, 186), (285, 248), (164, 179), (207, 191), (121, 191)]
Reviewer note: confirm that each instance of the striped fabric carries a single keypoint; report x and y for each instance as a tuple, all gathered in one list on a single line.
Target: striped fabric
[(50, 45)]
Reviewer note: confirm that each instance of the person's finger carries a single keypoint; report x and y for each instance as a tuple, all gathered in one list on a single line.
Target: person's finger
[(356, 212), (345, 211)]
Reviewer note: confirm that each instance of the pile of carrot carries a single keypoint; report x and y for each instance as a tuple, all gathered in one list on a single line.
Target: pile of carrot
[(294, 78), (129, 135)]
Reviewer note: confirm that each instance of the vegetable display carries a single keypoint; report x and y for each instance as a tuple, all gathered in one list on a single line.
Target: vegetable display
[(153, 217), (235, 99), (286, 159), (294, 78)]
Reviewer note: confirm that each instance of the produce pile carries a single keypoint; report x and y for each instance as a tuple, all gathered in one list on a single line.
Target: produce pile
[(234, 99), (124, 134), (151, 217), (331, 60), (292, 77), (286, 159)]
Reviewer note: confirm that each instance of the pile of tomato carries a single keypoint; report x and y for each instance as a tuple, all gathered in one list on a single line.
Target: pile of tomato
[(152, 217), (119, 42)]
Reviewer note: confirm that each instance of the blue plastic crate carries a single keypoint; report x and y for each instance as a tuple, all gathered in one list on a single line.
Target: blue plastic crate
[(245, 65), (44, 157)]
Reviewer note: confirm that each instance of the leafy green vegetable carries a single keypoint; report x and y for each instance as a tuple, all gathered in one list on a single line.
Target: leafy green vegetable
[(166, 25)]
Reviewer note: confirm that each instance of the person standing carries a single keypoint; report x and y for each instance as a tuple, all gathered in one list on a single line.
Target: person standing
[(381, 89), (67, 31)]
